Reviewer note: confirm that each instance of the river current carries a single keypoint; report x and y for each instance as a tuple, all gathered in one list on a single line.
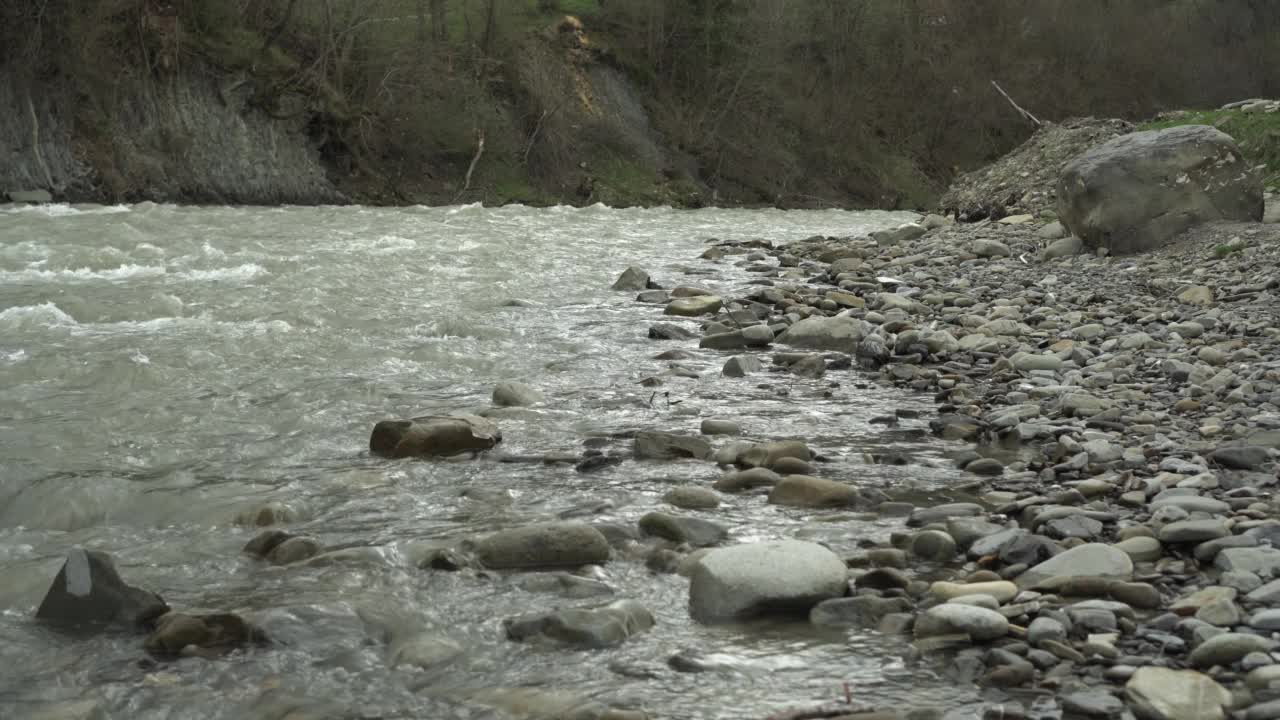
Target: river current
[(164, 369)]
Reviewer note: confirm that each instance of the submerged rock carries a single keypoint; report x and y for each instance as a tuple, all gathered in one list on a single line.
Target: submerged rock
[(88, 591), (787, 576), (590, 628), (564, 544), (439, 436), (516, 394), (266, 514), (565, 584), (652, 445), (812, 492), (281, 548), (425, 649), (179, 633), (767, 455), (741, 366)]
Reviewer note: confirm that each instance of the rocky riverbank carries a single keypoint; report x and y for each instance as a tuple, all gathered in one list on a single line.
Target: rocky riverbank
[(1124, 422)]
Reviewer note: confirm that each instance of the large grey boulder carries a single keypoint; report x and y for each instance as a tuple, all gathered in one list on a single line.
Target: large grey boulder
[(1156, 693), (633, 278), (89, 592), (562, 544), (1135, 192), (824, 333), (1090, 560), (694, 531), (438, 436), (786, 576)]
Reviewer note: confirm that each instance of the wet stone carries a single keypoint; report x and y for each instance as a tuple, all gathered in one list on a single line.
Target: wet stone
[(940, 513), (1227, 648), (590, 628), (692, 497), (89, 592), (862, 611), (693, 531), (546, 545), (787, 576)]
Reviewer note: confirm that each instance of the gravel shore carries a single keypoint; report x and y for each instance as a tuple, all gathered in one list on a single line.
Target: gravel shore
[(1123, 416)]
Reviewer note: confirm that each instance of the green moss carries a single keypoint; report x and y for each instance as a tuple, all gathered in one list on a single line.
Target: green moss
[(620, 181), (1222, 251), (510, 184), (1258, 135)]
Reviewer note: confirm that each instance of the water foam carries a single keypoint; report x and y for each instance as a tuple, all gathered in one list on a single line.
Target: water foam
[(123, 272), (232, 274), (45, 314), (65, 210)]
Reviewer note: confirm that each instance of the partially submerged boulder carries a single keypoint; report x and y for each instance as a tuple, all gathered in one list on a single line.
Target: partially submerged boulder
[(1136, 192), (561, 544), (788, 576), (434, 436), (516, 394), (633, 278), (88, 592)]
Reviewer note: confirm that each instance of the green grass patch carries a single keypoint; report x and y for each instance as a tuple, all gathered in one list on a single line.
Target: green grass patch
[(1258, 135)]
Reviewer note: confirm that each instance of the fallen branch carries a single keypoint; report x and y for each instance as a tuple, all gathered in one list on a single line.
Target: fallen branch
[(474, 160), (1016, 106), (533, 137), (35, 142)]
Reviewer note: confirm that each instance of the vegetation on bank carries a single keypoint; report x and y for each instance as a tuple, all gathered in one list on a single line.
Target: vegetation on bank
[(1257, 133), (687, 102)]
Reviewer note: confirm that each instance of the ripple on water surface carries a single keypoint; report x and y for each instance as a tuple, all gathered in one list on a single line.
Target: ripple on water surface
[(166, 368)]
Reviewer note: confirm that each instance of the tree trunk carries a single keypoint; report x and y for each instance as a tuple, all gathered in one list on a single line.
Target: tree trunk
[(490, 28), (422, 34), (439, 20)]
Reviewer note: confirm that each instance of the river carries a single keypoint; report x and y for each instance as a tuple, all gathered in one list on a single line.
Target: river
[(163, 369)]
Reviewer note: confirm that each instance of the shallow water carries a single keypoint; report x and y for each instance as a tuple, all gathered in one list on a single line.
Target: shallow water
[(166, 368)]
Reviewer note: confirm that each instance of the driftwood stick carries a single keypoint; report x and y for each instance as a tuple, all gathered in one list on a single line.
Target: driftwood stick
[(474, 161), (1015, 105)]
